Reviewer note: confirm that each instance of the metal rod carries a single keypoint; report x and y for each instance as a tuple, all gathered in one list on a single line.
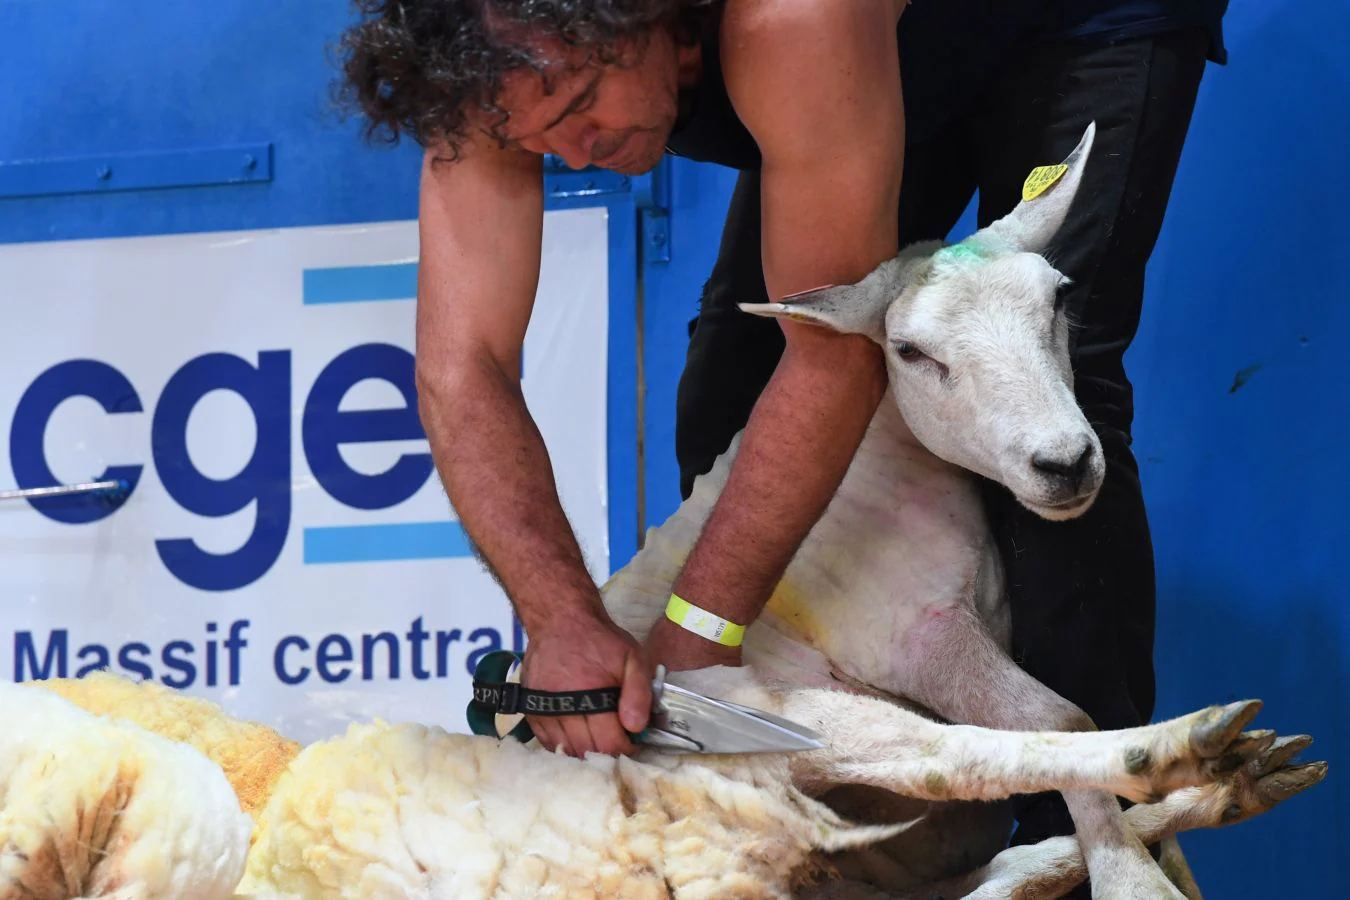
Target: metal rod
[(88, 487)]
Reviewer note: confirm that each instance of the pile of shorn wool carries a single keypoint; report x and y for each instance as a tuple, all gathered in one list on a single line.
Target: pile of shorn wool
[(111, 788)]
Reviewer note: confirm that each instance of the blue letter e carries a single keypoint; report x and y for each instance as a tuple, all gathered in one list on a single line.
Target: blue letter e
[(325, 427)]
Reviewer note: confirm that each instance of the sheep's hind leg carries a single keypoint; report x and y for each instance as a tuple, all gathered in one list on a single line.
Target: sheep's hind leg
[(1056, 866), (870, 741), (951, 664)]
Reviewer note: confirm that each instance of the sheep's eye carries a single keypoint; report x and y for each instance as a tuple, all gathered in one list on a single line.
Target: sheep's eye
[(1061, 293), (907, 350)]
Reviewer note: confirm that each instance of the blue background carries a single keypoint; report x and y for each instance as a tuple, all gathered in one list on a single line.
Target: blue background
[(1240, 365)]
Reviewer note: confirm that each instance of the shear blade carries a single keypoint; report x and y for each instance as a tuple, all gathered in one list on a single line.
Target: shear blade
[(720, 727), (817, 739)]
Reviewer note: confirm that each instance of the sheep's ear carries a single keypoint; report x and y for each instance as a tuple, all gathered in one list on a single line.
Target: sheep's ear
[(853, 308), (1047, 194)]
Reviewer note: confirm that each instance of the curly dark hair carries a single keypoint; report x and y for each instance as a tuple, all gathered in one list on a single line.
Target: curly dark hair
[(419, 67)]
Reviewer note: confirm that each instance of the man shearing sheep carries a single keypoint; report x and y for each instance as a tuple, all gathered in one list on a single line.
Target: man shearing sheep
[(858, 126)]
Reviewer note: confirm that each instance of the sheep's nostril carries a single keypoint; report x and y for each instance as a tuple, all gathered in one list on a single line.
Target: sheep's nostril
[(1067, 467), (1080, 467)]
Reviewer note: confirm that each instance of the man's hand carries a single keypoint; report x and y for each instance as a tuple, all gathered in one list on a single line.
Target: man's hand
[(582, 654), (680, 650)]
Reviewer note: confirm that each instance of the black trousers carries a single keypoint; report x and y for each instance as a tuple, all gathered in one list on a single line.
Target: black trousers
[(1082, 593)]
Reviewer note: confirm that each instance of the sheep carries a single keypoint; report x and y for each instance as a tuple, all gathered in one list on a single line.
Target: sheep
[(898, 588), (414, 812), (411, 811), (887, 634)]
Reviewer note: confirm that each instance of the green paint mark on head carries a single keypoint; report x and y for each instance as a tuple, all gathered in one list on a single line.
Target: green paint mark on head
[(962, 252)]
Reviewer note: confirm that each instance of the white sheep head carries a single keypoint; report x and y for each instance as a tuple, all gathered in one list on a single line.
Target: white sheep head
[(977, 348)]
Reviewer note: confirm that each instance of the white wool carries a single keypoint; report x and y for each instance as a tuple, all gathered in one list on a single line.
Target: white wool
[(94, 807), (415, 812)]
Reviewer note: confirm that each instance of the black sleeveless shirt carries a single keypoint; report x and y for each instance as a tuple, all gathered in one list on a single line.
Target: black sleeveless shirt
[(708, 128), (948, 51)]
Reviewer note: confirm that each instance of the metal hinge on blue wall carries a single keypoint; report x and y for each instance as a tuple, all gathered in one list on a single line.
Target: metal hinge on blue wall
[(651, 195), (143, 171)]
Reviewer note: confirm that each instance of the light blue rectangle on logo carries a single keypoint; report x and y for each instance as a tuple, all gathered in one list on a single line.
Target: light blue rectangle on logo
[(381, 543), (356, 284)]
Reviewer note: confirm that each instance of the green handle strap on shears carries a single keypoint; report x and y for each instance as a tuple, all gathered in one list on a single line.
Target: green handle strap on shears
[(492, 694), (490, 674)]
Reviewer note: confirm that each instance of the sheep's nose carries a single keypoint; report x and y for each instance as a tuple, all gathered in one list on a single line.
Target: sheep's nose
[(1069, 467)]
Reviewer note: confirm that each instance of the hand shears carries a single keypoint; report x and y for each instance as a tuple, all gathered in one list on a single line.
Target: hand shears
[(682, 721)]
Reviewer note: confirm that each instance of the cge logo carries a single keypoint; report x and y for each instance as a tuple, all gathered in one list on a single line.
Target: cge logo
[(266, 387)]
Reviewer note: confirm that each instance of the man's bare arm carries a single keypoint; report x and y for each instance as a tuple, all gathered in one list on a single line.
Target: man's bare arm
[(481, 225), (820, 89)]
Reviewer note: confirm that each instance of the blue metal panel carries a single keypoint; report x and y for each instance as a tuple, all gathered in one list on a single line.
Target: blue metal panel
[(139, 76)]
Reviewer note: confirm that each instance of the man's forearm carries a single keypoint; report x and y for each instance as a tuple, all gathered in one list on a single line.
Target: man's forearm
[(495, 468), (798, 444)]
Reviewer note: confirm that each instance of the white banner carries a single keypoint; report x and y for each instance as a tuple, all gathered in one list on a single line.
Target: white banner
[(287, 548)]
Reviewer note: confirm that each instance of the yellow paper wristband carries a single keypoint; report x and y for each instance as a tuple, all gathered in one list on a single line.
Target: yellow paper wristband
[(703, 623)]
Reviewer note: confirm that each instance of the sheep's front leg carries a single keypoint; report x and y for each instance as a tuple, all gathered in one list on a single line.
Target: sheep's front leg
[(870, 741), (1056, 866)]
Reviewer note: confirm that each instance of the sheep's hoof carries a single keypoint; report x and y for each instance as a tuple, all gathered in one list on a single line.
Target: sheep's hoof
[(1268, 780), (1220, 727)]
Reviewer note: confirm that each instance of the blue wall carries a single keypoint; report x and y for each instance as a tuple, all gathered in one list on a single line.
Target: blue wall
[(1243, 424), (1242, 393)]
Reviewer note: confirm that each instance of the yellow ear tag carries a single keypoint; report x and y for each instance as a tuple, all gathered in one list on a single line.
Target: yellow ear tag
[(1040, 179)]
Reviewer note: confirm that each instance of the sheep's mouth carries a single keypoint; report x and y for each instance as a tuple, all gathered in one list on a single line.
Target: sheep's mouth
[(1064, 509)]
